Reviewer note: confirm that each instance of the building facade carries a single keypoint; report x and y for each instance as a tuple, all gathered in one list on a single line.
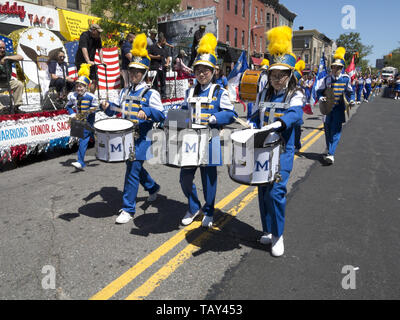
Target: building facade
[(310, 45), (75, 5)]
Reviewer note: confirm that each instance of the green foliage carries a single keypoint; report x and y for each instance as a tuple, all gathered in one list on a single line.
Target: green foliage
[(393, 59), (352, 43), (141, 14)]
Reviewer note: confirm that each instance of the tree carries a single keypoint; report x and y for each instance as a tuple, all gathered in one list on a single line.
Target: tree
[(352, 43), (141, 14), (393, 59)]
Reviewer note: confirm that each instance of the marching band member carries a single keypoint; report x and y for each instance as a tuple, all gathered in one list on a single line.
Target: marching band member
[(397, 87), (298, 73), (82, 105), (281, 87), (219, 111), (264, 78), (368, 88), (340, 83), (379, 85), (360, 88), (143, 107)]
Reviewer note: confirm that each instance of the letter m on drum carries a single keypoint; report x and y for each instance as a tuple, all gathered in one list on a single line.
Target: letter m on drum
[(260, 166), (118, 148), (191, 147)]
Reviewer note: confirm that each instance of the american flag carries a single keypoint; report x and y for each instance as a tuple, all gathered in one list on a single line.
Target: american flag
[(111, 59), (71, 48), (10, 49)]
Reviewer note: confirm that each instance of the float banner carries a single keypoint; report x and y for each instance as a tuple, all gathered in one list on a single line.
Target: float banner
[(72, 24)]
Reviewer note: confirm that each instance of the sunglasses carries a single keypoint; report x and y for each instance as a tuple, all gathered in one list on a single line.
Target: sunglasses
[(62, 57)]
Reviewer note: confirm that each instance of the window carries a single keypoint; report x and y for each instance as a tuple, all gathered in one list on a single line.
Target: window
[(228, 4), (273, 20), (236, 37), (306, 58), (242, 38), (261, 17), (268, 20), (276, 21), (255, 43), (189, 8), (243, 8), (73, 4), (261, 44), (227, 32), (256, 13), (236, 6)]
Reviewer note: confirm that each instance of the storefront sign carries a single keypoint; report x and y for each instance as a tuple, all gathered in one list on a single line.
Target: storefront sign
[(29, 15)]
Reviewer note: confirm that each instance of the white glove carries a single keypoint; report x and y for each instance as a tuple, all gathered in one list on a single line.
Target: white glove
[(212, 119), (72, 115), (273, 126), (352, 103), (322, 99)]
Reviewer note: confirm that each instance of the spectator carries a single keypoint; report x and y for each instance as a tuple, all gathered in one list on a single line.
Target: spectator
[(152, 40), (89, 42), (158, 56), (179, 65), (58, 70), (196, 39), (221, 80), (6, 61), (126, 57)]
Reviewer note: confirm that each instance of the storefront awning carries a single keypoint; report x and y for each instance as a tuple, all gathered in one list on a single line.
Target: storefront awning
[(72, 24)]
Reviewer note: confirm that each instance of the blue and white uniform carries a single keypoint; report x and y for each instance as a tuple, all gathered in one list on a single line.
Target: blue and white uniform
[(88, 103), (272, 197), (133, 100), (219, 106), (368, 88), (360, 88), (333, 121)]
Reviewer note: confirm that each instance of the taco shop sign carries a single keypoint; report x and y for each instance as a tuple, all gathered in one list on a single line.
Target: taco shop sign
[(29, 15)]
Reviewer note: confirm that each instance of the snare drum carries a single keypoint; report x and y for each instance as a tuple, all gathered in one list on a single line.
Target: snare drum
[(115, 140), (191, 147), (249, 84), (255, 157)]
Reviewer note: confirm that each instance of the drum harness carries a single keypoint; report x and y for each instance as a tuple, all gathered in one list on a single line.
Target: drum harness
[(132, 100)]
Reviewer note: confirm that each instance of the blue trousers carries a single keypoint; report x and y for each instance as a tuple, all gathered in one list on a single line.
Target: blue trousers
[(209, 182), (297, 136), (367, 92), (359, 91), (333, 130), (83, 144), (135, 174), (272, 203)]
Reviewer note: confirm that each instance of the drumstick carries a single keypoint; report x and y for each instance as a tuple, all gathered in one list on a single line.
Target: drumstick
[(126, 112), (242, 122)]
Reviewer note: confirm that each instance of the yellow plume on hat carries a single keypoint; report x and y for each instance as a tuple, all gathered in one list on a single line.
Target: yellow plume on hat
[(300, 66), (207, 44), (339, 54), (265, 62), (139, 46), (280, 41), (84, 70)]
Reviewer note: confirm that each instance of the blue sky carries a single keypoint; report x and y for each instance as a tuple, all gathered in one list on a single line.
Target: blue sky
[(377, 21)]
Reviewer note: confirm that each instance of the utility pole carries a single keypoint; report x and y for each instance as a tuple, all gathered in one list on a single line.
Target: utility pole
[(249, 36)]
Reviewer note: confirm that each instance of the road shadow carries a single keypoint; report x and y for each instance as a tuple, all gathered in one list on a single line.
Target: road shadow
[(167, 218), (312, 156), (233, 236)]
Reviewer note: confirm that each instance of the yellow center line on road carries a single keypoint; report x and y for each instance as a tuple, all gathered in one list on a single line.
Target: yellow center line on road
[(164, 272), (119, 283), (151, 258)]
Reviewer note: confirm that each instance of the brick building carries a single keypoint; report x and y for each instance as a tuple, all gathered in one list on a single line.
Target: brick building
[(235, 29)]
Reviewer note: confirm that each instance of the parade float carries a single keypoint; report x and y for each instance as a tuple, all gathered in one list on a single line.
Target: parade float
[(38, 127)]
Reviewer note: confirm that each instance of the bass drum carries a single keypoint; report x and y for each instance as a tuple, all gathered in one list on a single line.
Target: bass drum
[(249, 83)]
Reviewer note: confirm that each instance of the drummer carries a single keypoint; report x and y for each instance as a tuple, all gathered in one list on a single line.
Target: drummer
[(146, 109), (82, 105), (216, 114), (341, 83), (281, 87)]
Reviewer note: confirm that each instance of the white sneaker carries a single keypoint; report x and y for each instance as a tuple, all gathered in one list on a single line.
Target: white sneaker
[(207, 222), (188, 218), (77, 165), (123, 217), (266, 238), (152, 197), (277, 248), (329, 159)]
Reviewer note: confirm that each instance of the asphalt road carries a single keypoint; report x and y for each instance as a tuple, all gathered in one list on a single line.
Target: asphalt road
[(59, 239)]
